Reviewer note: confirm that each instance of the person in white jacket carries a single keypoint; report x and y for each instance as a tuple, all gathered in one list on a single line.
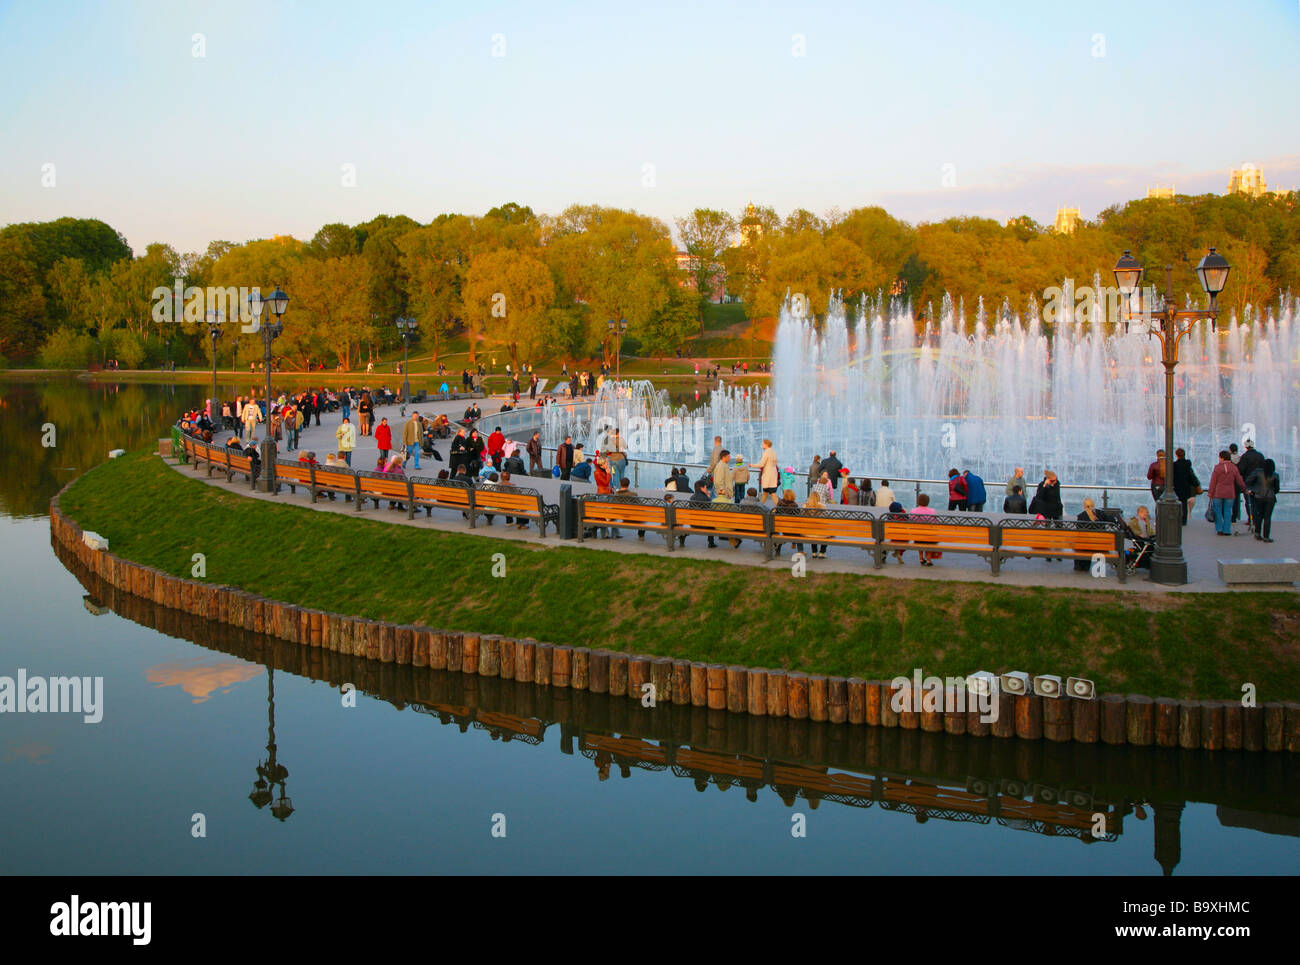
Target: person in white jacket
[(252, 415), (769, 473), (346, 434)]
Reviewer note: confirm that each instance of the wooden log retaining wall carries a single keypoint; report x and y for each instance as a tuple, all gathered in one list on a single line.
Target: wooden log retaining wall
[(1131, 719)]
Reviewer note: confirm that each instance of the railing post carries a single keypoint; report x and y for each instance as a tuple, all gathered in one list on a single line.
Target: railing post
[(1105, 498), (918, 491)]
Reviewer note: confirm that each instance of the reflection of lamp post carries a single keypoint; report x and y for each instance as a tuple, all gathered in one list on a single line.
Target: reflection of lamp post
[(406, 328), (1170, 324), (271, 772), (278, 301), (215, 318), (618, 329)]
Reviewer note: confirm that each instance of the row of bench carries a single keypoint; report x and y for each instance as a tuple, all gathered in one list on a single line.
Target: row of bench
[(360, 486), (994, 540)]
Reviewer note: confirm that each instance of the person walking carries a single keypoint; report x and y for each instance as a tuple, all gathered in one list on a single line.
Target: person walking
[(252, 416), (1156, 475), (769, 473), (345, 402), (534, 449), (346, 435), (1250, 461), (411, 433), (1186, 485), (384, 438), (564, 457), (1264, 484), (1225, 485), (366, 410)]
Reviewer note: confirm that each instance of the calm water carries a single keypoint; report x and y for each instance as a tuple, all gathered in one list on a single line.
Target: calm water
[(410, 779)]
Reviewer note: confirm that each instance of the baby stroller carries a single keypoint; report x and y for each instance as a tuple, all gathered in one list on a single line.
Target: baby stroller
[(1139, 555)]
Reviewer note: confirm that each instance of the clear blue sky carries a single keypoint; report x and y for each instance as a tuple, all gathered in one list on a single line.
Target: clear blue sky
[(250, 140)]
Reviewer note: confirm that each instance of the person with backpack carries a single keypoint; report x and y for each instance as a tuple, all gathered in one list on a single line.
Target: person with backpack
[(1264, 484), (956, 491)]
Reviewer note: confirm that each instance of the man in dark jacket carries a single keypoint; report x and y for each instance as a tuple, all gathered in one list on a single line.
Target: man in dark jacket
[(831, 465), (534, 448), (1250, 460), (564, 457), (1015, 502), (701, 495)]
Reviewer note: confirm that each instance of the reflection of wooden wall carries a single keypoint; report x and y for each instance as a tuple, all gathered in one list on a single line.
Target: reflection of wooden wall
[(751, 694)]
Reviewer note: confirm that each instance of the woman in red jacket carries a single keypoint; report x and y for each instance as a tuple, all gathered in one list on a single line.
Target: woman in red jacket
[(384, 438), (1225, 484)]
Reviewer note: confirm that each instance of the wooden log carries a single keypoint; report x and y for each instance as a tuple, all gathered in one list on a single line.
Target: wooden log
[(639, 685), (1252, 728), (1086, 715), (1274, 726), (661, 675), (455, 651), (317, 627), (1140, 720), (580, 678), (837, 700), (699, 684), (906, 702), (469, 651), (525, 659), (1189, 724), (1166, 722), (388, 643), (1232, 726), (1004, 725), (1029, 716), (778, 693), (889, 705), (420, 647), (1291, 727), (954, 721), (438, 650), (818, 698), (682, 682), (876, 699), (716, 683), (489, 655), (1114, 711), (405, 645), (1212, 725), (857, 705), (756, 692), (561, 666), (737, 689), (508, 658), (618, 674), (931, 719), (1057, 725), (543, 662), (599, 672), (796, 687)]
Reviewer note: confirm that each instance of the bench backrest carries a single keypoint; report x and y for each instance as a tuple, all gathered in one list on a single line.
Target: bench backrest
[(293, 471), (905, 528), (812, 524), (443, 492), (383, 484), (331, 478), (506, 498), (634, 509), (749, 520), (1081, 537)]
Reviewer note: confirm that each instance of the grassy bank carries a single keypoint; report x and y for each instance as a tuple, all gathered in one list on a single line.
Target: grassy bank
[(1184, 645)]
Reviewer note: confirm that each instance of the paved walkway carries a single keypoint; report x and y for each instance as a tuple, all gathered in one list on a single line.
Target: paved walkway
[(1201, 546)]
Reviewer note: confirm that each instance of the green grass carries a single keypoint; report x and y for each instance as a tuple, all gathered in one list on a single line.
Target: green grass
[(1177, 645)]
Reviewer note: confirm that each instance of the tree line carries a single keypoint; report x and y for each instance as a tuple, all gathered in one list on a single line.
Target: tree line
[(533, 286)]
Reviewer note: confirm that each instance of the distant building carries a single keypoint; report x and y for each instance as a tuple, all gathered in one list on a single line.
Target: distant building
[(751, 229), (686, 265), (1247, 180), (1067, 219), (1159, 192)]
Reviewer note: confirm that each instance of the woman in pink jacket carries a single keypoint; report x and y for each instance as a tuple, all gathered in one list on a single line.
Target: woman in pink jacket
[(1225, 483)]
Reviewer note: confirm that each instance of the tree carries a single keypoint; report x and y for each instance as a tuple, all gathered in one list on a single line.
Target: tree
[(706, 235), (333, 241), (331, 308), (509, 293), (434, 262), (22, 300)]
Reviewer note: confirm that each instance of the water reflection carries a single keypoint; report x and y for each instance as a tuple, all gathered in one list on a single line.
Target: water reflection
[(1089, 794)]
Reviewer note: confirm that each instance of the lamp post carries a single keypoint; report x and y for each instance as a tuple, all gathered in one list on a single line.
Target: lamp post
[(1170, 324), (271, 772), (214, 319), (278, 302), (406, 329), (618, 330)]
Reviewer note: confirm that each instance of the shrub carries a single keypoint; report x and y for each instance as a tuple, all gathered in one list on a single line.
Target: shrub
[(67, 349)]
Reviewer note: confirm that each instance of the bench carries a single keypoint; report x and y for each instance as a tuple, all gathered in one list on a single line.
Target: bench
[(639, 512), (938, 534), (380, 485), (1260, 574), (515, 501), (1066, 539), (292, 473), (722, 519), (794, 525), (329, 479), (442, 494)]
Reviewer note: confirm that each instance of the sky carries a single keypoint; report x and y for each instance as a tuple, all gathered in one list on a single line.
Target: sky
[(185, 121)]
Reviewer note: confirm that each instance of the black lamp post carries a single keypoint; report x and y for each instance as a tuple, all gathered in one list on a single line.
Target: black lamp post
[(214, 319), (406, 328), (271, 772), (1170, 324), (278, 302), (618, 330)]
